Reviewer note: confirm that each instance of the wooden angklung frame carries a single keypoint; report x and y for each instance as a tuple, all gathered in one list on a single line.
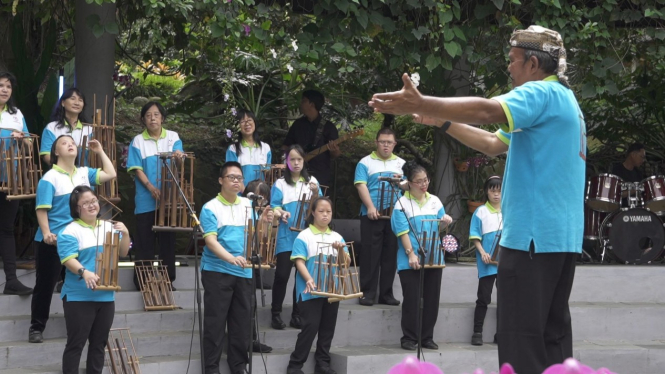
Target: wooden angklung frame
[(106, 263), (430, 242), (270, 173), (266, 237), (155, 285), (120, 357), (336, 277), (19, 174), (304, 208), (171, 210), (388, 195)]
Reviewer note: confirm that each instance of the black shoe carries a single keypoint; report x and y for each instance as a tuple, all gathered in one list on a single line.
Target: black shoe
[(277, 322), (366, 301), (35, 336), (296, 323), (293, 371), (389, 301), (477, 338), (494, 341), (15, 287), (409, 345), (172, 287), (258, 347), (430, 345), (324, 370)]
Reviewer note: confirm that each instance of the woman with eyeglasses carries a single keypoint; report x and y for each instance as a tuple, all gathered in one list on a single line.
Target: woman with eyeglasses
[(249, 151), (88, 312), (67, 119), (143, 162), (416, 206), (53, 215)]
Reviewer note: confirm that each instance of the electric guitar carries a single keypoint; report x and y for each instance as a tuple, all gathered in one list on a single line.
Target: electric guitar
[(349, 135)]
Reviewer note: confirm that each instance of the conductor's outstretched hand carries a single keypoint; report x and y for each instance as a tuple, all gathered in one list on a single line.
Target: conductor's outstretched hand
[(405, 101)]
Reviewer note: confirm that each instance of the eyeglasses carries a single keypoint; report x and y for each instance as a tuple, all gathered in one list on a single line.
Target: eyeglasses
[(421, 182), (246, 122), (385, 142), (89, 204), (234, 178)]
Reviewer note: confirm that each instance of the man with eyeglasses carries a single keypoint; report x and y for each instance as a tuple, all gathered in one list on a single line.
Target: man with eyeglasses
[(378, 257)]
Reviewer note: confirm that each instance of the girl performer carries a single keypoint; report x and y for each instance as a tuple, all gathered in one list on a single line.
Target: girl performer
[(317, 314), (12, 124), (285, 196), (67, 119), (143, 161), (53, 215), (248, 150), (415, 206), (88, 312)]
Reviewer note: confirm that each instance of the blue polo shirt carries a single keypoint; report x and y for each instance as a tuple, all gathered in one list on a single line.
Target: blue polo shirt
[(368, 171), (144, 155), (227, 222), (251, 158), (10, 123), (52, 132), (285, 197), (53, 193), (83, 242), (485, 226), (543, 184), (307, 246), (408, 209)]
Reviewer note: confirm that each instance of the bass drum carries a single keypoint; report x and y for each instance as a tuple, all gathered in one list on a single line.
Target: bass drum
[(636, 236)]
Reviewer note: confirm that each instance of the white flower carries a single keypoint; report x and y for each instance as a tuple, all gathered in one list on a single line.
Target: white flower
[(234, 111), (294, 45), (226, 97), (274, 54), (415, 78), (289, 68)]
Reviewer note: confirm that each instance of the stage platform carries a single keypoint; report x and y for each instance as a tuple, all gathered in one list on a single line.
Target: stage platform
[(618, 322)]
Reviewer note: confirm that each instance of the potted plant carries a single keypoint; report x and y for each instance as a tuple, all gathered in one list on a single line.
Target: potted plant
[(472, 179)]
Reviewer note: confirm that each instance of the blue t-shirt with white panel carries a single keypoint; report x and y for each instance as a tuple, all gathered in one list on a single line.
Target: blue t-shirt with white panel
[(251, 158), (80, 133), (53, 193), (144, 155), (369, 170), (83, 242), (227, 221), (408, 209), (543, 184), (486, 226), (286, 197), (307, 246)]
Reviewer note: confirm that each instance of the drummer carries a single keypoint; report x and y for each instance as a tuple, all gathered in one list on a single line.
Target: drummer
[(629, 170)]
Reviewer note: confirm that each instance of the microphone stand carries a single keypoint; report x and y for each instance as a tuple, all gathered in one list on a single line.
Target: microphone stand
[(256, 266), (421, 282), (197, 228)]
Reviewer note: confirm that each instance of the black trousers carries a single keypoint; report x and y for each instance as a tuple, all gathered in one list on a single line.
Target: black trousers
[(431, 295), (47, 265), (534, 329), (7, 241), (282, 274), (86, 321), (378, 258), (228, 305), (144, 244), (318, 316), (485, 286)]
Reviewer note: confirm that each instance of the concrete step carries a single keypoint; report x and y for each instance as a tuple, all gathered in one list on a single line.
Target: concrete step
[(21, 354)]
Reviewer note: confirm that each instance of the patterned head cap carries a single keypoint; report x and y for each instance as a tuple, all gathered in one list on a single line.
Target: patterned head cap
[(538, 38)]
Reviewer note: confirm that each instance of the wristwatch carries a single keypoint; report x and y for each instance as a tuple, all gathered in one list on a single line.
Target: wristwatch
[(444, 128), (408, 251), (80, 271)]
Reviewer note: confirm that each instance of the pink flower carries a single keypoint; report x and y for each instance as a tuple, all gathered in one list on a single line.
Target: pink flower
[(411, 365), (572, 366), (247, 29)]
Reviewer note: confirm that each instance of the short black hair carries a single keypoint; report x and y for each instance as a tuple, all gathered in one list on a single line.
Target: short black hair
[(491, 183), (11, 103), (74, 198), (54, 157), (259, 187), (315, 203), (386, 131), (546, 62), (634, 147), (228, 164), (149, 105), (315, 97)]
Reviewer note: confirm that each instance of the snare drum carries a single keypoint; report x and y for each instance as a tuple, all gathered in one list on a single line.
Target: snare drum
[(654, 193), (604, 193), (593, 221), (636, 236)]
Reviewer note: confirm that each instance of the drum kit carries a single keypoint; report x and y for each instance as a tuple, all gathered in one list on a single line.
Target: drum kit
[(623, 221)]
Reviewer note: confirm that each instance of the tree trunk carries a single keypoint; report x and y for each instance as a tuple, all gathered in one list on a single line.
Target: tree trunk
[(95, 59)]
